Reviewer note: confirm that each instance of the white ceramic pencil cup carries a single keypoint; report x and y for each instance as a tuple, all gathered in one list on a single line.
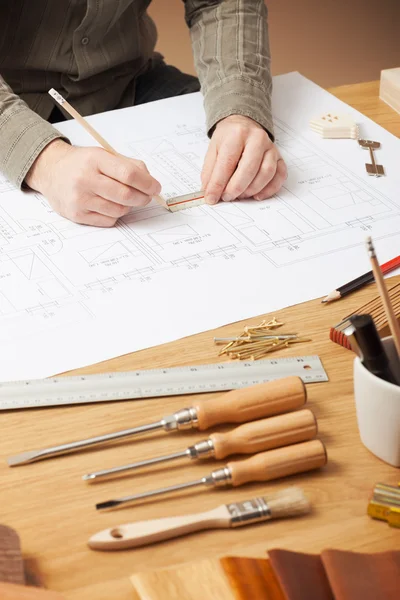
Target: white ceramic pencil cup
[(378, 409)]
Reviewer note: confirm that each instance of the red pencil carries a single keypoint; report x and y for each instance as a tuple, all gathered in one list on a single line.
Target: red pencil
[(359, 282)]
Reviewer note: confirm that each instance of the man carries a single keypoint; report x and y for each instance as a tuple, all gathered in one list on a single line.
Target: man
[(100, 55)]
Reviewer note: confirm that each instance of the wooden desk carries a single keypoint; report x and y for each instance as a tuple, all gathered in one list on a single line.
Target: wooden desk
[(53, 510)]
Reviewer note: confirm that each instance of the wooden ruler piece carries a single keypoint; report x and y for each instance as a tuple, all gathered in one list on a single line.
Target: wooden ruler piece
[(185, 201)]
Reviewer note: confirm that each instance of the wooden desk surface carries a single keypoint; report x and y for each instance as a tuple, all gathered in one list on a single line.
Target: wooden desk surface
[(53, 509)]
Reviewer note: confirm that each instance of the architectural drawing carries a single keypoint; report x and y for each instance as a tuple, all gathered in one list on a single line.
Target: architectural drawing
[(53, 258), (54, 273)]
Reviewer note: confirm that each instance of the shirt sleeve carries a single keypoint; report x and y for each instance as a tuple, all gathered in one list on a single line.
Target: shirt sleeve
[(23, 135), (232, 58)]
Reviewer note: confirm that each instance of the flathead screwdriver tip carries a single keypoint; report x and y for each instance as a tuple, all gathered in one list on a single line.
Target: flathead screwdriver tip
[(108, 504), (23, 459)]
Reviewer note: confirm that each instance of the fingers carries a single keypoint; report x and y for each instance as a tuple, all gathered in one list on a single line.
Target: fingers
[(226, 162), (208, 165), (117, 192), (132, 173), (246, 171), (94, 219), (275, 184), (102, 206), (265, 174)]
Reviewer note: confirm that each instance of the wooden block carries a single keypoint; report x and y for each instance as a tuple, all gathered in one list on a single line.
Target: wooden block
[(389, 90), (335, 125), (11, 563), (225, 579), (11, 591), (375, 309)]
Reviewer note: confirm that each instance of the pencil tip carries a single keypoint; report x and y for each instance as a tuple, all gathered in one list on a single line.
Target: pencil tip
[(370, 247), (335, 295)]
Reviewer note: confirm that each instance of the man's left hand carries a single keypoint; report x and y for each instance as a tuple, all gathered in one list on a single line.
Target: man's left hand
[(241, 162)]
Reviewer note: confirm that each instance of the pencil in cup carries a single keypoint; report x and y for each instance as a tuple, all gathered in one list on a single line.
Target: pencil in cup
[(91, 130), (383, 292)]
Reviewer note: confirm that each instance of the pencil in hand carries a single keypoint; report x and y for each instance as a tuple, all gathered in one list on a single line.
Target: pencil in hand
[(91, 130)]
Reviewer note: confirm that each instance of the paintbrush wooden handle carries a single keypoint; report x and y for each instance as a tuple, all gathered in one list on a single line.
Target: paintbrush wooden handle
[(252, 403), (281, 462), (133, 535)]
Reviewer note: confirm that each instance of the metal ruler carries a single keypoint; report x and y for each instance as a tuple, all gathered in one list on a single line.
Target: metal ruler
[(176, 381)]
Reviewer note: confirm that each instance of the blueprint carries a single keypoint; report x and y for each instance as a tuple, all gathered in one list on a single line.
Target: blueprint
[(72, 295)]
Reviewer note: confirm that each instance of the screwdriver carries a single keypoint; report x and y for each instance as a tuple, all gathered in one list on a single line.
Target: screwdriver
[(264, 466), (250, 438), (237, 406)]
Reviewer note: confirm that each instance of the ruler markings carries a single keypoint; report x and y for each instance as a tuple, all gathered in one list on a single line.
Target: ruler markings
[(155, 383)]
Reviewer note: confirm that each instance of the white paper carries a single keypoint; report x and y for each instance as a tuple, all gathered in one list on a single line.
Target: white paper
[(72, 295)]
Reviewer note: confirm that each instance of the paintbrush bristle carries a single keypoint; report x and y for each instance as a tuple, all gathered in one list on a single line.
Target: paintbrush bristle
[(289, 502)]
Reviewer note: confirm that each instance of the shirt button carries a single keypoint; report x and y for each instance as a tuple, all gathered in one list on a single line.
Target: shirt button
[(85, 41)]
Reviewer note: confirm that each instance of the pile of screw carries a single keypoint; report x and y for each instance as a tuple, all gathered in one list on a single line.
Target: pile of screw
[(257, 341)]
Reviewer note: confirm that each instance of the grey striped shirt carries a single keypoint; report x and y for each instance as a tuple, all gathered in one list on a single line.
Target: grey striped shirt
[(91, 50)]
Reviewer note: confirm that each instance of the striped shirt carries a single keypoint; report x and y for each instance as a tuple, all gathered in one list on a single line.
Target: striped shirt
[(92, 50)]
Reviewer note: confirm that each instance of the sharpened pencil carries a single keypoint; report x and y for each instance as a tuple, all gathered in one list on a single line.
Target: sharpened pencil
[(383, 292), (360, 281)]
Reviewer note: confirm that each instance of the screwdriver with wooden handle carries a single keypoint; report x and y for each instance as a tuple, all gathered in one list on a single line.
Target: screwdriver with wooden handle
[(250, 438), (237, 406), (264, 466)]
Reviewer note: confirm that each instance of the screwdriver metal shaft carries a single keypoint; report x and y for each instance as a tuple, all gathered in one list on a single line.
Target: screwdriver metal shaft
[(264, 466), (237, 406), (250, 438), (97, 475)]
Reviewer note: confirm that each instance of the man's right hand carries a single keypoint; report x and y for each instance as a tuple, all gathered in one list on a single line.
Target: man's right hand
[(89, 185)]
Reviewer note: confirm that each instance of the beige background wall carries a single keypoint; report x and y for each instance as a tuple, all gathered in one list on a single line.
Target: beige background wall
[(332, 42)]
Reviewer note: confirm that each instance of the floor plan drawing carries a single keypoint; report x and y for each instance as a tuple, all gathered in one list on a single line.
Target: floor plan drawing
[(60, 280), (178, 169)]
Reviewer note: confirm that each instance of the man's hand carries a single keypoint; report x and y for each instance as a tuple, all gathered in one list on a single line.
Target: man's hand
[(241, 162), (89, 185)]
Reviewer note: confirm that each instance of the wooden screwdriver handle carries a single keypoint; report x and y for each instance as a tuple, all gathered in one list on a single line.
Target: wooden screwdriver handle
[(252, 403), (281, 462), (265, 434)]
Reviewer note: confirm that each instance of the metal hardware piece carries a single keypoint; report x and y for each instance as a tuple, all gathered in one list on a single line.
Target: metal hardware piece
[(372, 168)]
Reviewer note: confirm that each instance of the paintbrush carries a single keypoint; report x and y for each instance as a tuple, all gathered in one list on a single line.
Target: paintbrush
[(289, 502)]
